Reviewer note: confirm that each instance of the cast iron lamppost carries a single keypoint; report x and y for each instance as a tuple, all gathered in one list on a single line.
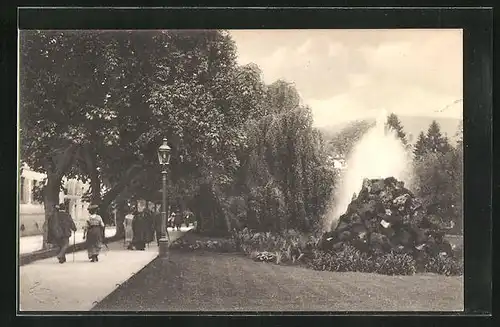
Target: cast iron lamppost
[(164, 159)]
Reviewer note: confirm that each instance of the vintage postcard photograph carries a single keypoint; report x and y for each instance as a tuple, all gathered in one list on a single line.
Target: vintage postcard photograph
[(240, 170)]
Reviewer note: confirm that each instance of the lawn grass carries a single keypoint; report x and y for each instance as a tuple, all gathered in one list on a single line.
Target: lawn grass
[(201, 281)]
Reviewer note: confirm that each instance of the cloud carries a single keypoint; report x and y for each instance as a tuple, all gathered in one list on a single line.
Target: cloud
[(335, 49), (350, 73)]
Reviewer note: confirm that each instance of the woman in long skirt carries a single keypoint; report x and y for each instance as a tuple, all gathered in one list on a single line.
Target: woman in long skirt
[(94, 233), (129, 232), (139, 226)]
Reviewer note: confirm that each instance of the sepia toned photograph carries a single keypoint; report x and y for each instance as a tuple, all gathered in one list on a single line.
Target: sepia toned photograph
[(240, 170)]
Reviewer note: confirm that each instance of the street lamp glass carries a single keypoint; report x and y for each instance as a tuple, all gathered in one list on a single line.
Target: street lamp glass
[(164, 153)]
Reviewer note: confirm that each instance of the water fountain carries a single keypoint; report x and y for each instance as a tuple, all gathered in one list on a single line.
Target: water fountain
[(378, 154)]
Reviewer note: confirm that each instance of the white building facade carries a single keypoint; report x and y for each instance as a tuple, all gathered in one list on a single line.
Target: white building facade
[(337, 162), (31, 211)]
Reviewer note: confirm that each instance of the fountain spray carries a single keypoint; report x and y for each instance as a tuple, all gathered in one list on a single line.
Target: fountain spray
[(378, 154)]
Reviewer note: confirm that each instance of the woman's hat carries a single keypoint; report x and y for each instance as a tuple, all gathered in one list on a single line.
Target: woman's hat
[(92, 207)]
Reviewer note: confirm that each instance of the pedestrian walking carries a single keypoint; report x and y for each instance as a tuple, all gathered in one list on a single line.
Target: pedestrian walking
[(129, 232), (94, 234), (139, 227), (188, 218), (157, 218), (177, 219), (171, 219), (60, 227), (149, 225)]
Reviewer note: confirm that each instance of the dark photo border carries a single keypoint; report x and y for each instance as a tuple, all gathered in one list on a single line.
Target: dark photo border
[(477, 24)]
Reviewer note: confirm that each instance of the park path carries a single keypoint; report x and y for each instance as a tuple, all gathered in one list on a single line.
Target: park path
[(46, 285), (29, 244)]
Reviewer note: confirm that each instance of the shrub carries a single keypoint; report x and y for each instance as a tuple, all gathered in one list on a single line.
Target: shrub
[(395, 264), (287, 246), (264, 256), (347, 259), (351, 259), (322, 261), (221, 245), (291, 245), (445, 266)]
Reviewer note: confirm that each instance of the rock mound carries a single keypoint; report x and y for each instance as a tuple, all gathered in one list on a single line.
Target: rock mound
[(386, 217)]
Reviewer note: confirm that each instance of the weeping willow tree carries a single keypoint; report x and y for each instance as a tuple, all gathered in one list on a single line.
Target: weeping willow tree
[(287, 184)]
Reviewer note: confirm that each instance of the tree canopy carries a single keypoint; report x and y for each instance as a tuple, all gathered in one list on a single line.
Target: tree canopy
[(439, 175), (394, 123), (97, 104)]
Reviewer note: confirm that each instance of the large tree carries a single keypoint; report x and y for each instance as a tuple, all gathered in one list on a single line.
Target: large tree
[(104, 120), (201, 105), (439, 184), (394, 123), (283, 171), (436, 141), (108, 113), (61, 103), (439, 175), (420, 147)]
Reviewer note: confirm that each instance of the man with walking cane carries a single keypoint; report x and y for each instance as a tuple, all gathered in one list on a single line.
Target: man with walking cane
[(60, 227)]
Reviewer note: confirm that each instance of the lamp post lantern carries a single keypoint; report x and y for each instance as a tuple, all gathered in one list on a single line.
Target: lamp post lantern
[(164, 160)]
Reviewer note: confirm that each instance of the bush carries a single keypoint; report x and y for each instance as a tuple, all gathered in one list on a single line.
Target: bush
[(351, 259), (445, 266), (288, 246), (221, 245), (264, 256), (348, 259), (395, 264)]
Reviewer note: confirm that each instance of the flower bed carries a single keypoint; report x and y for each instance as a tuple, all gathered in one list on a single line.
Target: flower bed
[(294, 248), (193, 244)]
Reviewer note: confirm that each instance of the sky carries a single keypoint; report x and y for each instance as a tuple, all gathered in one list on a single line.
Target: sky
[(353, 74)]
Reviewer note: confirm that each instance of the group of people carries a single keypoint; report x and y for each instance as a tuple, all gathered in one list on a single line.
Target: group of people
[(142, 227), (61, 225)]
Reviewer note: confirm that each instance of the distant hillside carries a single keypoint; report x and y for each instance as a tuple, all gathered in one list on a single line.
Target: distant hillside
[(413, 125)]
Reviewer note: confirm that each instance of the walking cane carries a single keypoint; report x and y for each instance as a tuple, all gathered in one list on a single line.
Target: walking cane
[(74, 242)]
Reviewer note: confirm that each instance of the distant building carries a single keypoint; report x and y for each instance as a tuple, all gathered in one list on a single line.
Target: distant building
[(31, 211), (337, 162)]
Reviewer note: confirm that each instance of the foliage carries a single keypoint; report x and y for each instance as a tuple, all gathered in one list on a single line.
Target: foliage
[(438, 182), (284, 247), (438, 179), (219, 245), (394, 123), (445, 266), (283, 171), (243, 153), (435, 141), (395, 264), (351, 259), (287, 247), (51, 65), (420, 147), (265, 256)]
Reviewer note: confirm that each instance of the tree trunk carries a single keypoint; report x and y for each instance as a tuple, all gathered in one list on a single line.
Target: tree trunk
[(51, 198), (90, 160), (56, 166), (120, 218)]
